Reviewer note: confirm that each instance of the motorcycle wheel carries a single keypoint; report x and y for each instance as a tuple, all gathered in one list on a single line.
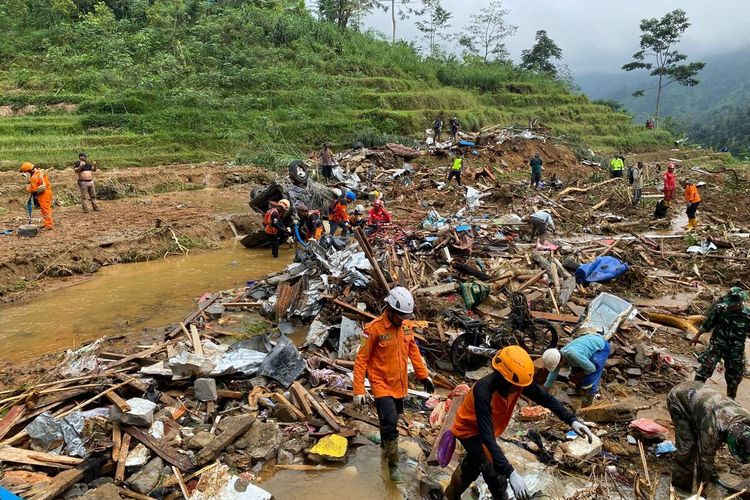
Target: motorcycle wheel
[(543, 337), (462, 359)]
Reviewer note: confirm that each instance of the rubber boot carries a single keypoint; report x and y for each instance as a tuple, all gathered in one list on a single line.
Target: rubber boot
[(692, 223), (732, 391), (391, 452), (587, 400), (457, 485)]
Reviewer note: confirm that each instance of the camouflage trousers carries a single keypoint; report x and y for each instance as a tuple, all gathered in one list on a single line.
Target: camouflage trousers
[(687, 441), (733, 355)]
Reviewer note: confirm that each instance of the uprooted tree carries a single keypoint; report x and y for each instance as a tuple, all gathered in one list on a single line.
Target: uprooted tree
[(539, 57), (659, 56), (484, 36)]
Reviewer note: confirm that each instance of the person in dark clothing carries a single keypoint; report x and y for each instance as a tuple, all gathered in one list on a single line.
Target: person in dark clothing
[(273, 221), (327, 162), (454, 125), (437, 127), (483, 416), (310, 224), (536, 170)]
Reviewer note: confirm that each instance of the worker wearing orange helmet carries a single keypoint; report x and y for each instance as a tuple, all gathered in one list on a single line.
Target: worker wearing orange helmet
[(40, 190), (483, 416)]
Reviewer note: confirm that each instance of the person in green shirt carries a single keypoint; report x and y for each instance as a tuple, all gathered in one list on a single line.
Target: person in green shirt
[(536, 170), (456, 168)]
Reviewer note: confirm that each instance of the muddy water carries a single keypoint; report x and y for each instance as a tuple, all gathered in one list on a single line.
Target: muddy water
[(127, 298)]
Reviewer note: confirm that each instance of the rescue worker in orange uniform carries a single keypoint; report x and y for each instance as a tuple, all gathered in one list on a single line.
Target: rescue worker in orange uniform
[(40, 190), (693, 199), (338, 215), (311, 226), (483, 416), (388, 345), (273, 222)]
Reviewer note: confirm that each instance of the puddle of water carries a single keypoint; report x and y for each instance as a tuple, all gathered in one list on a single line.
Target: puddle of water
[(127, 298), (364, 476)]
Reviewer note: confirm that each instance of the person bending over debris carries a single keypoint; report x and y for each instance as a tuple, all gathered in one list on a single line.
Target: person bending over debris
[(338, 215), (617, 165), (311, 227), (637, 185), (540, 221), (388, 345), (730, 321), (536, 170), (670, 184), (273, 221), (358, 217), (85, 171), (378, 215), (40, 191), (586, 357), (326, 161), (693, 199), (483, 416), (456, 168), (703, 421)]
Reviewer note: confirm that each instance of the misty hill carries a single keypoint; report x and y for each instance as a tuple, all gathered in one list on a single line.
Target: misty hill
[(713, 113), (144, 83)]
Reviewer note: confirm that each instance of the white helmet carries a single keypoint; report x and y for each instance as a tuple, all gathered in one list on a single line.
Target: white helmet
[(551, 358), (336, 192), (360, 209), (400, 300)]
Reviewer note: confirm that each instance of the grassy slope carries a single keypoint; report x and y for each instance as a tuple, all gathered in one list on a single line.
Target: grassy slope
[(252, 84)]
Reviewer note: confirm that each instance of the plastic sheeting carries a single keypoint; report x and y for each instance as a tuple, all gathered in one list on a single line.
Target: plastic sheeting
[(602, 269), (604, 315), (318, 333)]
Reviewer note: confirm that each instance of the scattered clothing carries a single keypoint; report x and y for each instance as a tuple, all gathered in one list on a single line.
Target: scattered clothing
[(602, 269)]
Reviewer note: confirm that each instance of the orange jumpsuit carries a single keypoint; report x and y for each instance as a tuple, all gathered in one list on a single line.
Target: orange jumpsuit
[(40, 181)]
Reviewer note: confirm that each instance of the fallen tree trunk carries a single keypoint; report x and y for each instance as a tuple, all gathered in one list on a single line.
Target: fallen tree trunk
[(683, 324)]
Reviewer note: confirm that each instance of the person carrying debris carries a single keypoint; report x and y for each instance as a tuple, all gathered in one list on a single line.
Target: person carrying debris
[(273, 222), (388, 344), (536, 170), (704, 421), (326, 161), (310, 226), (437, 128), (540, 221), (456, 169), (85, 171), (729, 320), (483, 416), (338, 215), (637, 184), (670, 184), (586, 357), (454, 125), (378, 215), (616, 166), (693, 199), (357, 217), (40, 191)]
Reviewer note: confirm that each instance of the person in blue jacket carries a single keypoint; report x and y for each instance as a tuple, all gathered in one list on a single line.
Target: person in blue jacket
[(586, 357)]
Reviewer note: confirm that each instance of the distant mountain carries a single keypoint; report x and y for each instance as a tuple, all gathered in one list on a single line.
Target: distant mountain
[(714, 113)]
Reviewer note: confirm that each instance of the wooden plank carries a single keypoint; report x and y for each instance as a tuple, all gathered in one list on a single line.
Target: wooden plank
[(180, 481), (191, 317), (140, 354), (57, 486), (560, 318), (196, 340), (11, 418), (123, 455), (354, 310), (168, 453), (279, 398), (29, 457), (116, 441), (118, 401), (325, 412), (447, 424), (227, 394), (299, 393), (22, 478), (137, 384), (212, 450)]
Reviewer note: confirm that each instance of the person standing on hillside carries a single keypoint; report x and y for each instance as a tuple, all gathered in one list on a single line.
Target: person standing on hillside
[(388, 345), (536, 170), (693, 199), (454, 125), (327, 161), (616, 166), (456, 169), (730, 321), (637, 185), (85, 172), (437, 128), (40, 191), (670, 184), (273, 223)]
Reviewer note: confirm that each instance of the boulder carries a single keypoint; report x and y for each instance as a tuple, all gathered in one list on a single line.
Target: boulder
[(205, 389), (145, 480), (580, 449), (262, 440), (105, 492), (199, 441)]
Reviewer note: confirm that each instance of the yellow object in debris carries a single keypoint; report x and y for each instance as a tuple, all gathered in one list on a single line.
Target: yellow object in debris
[(333, 446)]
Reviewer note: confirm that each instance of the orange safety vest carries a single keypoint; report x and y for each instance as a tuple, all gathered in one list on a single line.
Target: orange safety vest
[(268, 221), (465, 425), (691, 194)]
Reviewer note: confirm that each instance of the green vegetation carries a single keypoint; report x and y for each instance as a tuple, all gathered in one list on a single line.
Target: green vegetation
[(167, 81)]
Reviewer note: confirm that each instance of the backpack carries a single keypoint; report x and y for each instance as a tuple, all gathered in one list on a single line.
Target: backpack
[(661, 210), (268, 218), (631, 177)]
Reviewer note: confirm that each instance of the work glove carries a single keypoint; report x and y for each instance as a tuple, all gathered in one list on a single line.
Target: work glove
[(583, 431), (359, 400), (428, 385), (518, 485)]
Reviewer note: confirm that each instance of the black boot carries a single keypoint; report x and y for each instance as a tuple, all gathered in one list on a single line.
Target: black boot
[(732, 391)]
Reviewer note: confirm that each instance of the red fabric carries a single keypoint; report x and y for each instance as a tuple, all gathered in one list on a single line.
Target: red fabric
[(669, 181), (379, 216)]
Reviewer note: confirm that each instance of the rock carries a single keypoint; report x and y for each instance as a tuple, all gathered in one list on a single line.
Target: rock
[(141, 413), (199, 440), (147, 478), (633, 372), (642, 360), (229, 422), (205, 389), (580, 449), (138, 456), (104, 492), (284, 457), (100, 481), (75, 491), (293, 446), (262, 439), (214, 311), (331, 447), (412, 449)]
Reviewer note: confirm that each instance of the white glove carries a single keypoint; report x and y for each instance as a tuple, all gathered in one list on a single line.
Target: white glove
[(359, 400), (583, 431), (518, 485)]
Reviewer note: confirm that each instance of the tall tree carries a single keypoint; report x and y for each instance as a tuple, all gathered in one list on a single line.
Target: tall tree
[(659, 56), (400, 9), (539, 57), (434, 25), (484, 36), (344, 13)]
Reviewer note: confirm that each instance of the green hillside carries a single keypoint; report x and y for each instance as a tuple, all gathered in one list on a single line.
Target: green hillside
[(171, 81)]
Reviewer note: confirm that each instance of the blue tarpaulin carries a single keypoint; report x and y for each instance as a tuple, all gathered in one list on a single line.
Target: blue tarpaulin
[(602, 269)]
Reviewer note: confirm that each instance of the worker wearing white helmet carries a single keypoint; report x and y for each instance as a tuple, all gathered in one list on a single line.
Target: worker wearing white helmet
[(585, 356), (388, 345)]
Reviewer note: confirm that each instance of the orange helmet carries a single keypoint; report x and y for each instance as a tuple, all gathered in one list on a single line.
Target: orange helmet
[(515, 365), (27, 167)]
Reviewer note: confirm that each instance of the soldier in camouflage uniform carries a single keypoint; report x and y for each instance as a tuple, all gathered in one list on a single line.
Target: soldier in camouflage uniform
[(730, 321), (703, 421)]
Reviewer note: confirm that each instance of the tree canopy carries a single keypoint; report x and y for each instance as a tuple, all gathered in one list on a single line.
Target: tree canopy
[(539, 57), (484, 35)]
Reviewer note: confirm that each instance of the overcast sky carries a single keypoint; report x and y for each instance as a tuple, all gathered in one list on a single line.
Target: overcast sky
[(599, 35)]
